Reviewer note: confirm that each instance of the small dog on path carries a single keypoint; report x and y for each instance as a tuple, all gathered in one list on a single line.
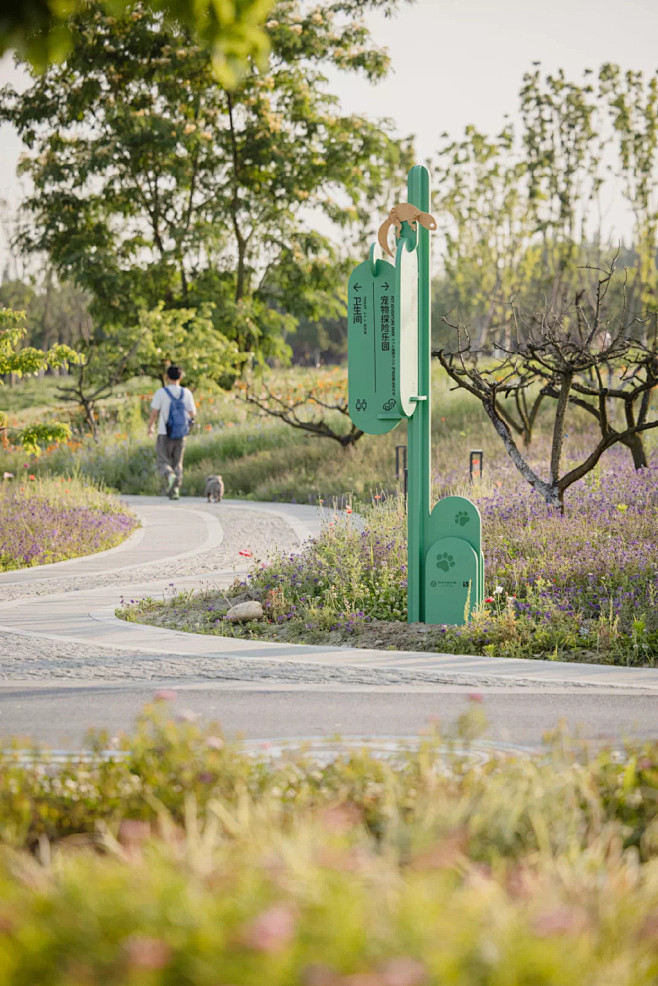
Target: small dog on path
[(214, 489)]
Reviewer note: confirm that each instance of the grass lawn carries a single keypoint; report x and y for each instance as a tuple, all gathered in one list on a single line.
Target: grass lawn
[(259, 458)]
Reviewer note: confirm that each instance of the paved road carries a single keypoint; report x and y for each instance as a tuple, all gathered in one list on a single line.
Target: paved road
[(60, 713), (67, 663)]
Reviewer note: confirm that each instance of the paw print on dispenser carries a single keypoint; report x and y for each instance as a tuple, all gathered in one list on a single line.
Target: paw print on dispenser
[(445, 562), (462, 518)]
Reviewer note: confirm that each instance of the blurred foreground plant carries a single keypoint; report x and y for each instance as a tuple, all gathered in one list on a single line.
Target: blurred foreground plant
[(206, 864)]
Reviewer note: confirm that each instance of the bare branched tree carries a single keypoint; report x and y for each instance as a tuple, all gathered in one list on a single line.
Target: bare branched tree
[(304, 409), (566, 356)]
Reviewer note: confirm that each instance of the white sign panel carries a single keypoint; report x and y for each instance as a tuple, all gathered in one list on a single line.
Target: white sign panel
[(407, 292)]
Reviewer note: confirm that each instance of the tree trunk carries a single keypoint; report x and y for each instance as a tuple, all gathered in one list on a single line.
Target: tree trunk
[(549, 491), (636, 446), (558, 427), (90, 417)]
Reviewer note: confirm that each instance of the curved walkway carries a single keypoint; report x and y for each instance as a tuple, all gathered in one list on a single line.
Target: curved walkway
[(57, 621)]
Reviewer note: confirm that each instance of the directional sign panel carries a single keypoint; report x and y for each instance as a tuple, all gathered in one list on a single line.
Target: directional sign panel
[(406, 271), (372, 347)]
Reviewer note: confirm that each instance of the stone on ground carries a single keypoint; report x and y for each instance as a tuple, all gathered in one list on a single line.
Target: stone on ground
[(245, 611)]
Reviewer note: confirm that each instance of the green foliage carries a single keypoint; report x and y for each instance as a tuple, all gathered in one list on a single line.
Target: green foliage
[(184, 855), (182, 335), (633, 104), (154, 183), (231, 33), (24, 361), (53, 312), (522, 209)]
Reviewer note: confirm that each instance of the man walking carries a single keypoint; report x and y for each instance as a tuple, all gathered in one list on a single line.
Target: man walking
[(174, 409)]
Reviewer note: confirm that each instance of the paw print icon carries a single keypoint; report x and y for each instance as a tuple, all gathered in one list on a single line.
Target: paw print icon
[(444, 561), (462, 518)]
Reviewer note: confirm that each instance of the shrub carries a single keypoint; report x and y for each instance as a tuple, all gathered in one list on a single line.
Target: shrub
[(188, 861)]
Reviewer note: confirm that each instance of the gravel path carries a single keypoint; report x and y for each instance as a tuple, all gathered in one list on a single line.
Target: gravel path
[(62, 637), (39, 657), (23, 658), (259, 533)]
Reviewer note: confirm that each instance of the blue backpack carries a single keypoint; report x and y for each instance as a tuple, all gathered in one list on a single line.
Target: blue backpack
[(178, 425)]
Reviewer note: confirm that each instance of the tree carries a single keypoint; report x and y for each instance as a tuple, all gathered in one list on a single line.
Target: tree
[(483, 202), (158, 338), (522, 211), (562, 152), (311, 409), (566, 353), (232, 32), (21, 361), (54, 312), (155, 183), (633, 105)]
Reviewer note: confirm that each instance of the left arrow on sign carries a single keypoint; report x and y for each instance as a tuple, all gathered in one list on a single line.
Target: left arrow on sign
[(357, 287)]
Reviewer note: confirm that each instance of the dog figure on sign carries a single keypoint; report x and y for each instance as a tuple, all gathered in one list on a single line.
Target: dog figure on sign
[(214, 489)]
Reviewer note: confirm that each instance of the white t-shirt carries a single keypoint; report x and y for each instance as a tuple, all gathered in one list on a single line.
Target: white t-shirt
[(161, 402)]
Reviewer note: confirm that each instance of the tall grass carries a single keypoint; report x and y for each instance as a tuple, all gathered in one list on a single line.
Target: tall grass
[(189, 862), (263, 459)]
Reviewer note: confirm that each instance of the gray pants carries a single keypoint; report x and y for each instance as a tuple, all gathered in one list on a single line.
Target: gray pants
[(169, 454)]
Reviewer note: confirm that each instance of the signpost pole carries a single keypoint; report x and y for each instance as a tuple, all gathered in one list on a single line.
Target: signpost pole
[(389, 361), (419, 425)]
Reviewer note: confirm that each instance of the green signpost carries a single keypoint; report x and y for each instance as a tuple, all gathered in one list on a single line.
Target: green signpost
[(389, 357), (373, 346)]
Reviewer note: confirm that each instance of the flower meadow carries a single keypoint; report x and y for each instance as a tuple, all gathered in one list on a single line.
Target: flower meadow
[(582, 586), (184, 860), (50, 520)]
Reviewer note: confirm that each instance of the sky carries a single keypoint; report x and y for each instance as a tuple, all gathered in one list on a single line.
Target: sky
[(460, 62)]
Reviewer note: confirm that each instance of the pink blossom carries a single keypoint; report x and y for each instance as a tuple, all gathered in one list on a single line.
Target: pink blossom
[(271, 930), (404, 971), (147, 953), (559, 921)]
